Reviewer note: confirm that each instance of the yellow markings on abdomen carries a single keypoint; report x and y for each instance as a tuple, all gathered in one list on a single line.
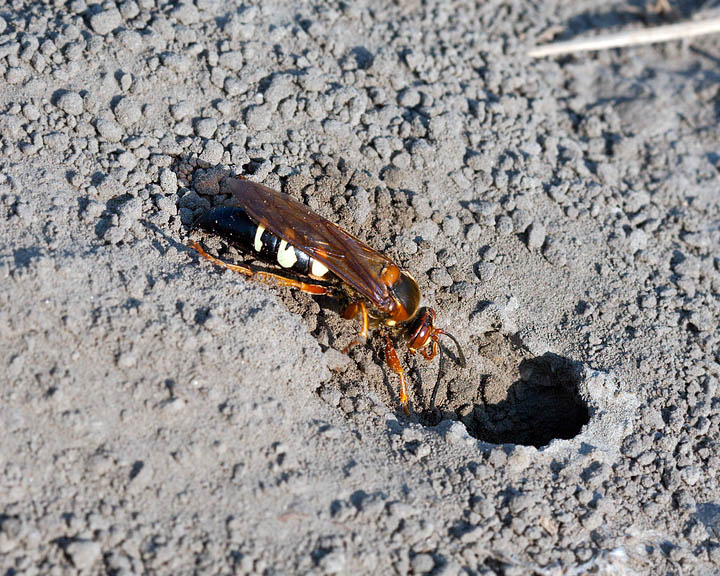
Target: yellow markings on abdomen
[(258, 245), (286, 256), (318, 269)]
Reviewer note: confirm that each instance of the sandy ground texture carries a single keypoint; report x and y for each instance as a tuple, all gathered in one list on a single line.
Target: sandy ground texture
[(161, 416)]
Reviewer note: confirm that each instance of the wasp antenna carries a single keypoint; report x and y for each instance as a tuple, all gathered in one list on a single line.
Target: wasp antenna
[(461, 357), (439, 377)]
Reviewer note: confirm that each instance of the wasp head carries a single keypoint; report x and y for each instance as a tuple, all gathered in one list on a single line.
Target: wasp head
[(420, 331)]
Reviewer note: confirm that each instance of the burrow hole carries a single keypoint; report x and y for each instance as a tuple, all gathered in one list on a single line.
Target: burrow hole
[(515, 397)]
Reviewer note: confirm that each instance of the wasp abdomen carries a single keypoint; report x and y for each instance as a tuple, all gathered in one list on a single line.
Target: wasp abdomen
[(233, 224)]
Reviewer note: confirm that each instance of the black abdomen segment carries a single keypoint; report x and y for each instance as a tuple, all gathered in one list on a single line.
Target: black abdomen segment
[(233, 224)]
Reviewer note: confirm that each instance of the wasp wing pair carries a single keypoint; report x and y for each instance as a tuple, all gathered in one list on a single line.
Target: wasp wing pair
[(351, 260)]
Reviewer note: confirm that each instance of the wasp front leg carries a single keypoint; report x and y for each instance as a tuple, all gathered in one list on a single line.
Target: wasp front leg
[(433, 351), (393, 361)]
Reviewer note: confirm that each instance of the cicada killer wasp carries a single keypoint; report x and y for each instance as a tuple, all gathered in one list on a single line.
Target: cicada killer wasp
[(318, 257)]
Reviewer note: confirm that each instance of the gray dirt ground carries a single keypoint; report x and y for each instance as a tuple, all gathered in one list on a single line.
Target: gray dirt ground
[(160, 416)]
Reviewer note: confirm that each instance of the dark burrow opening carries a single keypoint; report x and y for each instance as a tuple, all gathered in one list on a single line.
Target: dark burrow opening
[(515, 397)]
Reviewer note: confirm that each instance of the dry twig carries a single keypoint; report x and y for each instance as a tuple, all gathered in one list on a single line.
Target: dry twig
[(667, 33)]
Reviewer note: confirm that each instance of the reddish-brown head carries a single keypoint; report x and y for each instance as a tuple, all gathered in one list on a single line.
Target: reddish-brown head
[(420, 332)]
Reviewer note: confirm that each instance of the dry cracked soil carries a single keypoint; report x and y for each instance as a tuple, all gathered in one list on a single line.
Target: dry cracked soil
[(162, 416)]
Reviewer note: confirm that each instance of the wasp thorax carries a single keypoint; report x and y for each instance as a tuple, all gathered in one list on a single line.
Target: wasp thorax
[(406, 293)]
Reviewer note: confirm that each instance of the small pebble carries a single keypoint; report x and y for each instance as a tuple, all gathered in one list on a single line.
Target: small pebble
[(213, 152), (233, 86), (409, 98), (648, 301), (129, 9), (31, 112), (232, 60), (280, 88), (702, 320), (258, 117), (105, 21), (691, 475), (126, 82), (181, 110), (11, 528), (71, 103), (441, 277), (248, 14), (521, 220), (186, 13), (109, 129), (180, 63), (57, 141), (483, 207), (127, 112), (536, 235), (131, 40), (472, 535), (130, 212), (486, 271), (504, 225), (638, 240), (168, 181), (126, 360), (127, 160), (401, 159), (697, 240), (554, 252), (520, 502), (422, 564), (489, 253), (312, 80), (84, 553), (205, 127)]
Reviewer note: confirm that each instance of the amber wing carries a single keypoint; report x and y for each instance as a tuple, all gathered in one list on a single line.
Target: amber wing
[(351, 260)]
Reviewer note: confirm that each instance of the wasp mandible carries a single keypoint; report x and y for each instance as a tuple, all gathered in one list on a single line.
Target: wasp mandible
[(318, 257)]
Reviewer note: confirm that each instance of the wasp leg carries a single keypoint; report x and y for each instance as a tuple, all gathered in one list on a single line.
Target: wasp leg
[(265, 277), (350, 312), (393, 361), (234, 267), (430, 355)]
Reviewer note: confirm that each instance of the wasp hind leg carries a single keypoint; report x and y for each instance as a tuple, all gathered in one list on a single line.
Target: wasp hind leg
[(265, 277)]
